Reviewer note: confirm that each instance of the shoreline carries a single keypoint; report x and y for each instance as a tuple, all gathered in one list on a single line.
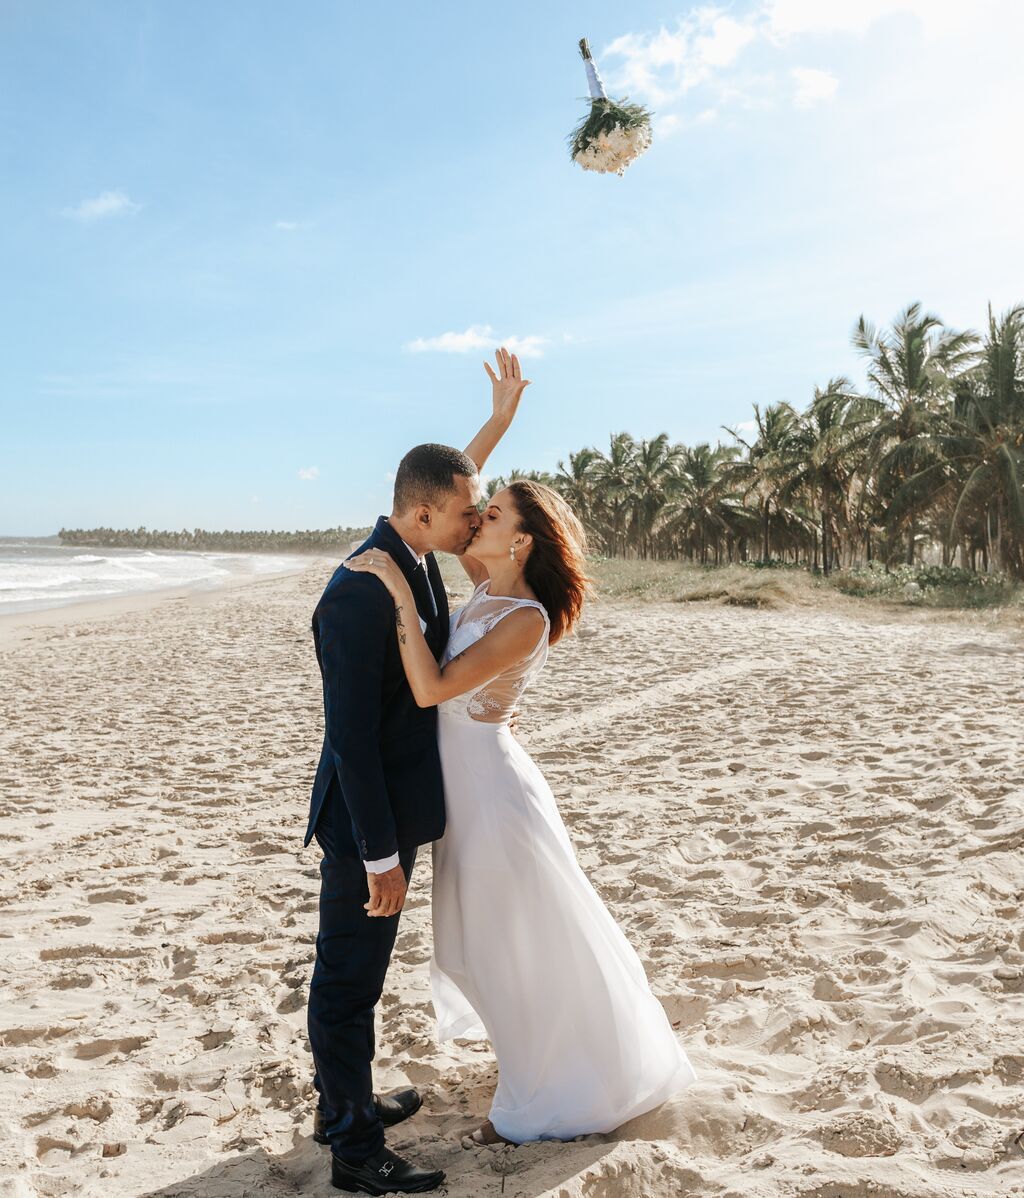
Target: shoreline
[(20, 626)]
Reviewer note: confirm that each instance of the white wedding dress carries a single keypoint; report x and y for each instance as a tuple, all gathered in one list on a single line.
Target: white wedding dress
[(525, 953)]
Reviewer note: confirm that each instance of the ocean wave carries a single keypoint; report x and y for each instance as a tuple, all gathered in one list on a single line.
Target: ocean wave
[(46, 577), (34, 579)]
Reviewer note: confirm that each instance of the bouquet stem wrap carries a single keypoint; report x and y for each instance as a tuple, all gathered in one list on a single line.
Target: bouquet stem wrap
[(615, 133), (597, 91)]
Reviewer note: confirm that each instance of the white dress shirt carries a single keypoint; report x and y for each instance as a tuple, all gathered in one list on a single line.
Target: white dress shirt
[(385, 863)]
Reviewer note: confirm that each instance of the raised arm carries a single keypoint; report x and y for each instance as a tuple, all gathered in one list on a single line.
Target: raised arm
[(511, 639), (507, 387)]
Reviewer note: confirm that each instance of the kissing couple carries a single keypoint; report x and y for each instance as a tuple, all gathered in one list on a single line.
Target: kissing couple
[(418, 750)]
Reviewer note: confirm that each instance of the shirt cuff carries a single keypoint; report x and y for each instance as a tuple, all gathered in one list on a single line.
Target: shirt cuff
[(382, 865)]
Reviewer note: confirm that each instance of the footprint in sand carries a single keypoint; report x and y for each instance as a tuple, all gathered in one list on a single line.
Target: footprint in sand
[(114, 896), (860, 1133), (44, 1069), (237, 937), (46, 1144), (219, 1034), (15, 1037), (104, 1048), (72, 981), (97, 1109), (73, 952)]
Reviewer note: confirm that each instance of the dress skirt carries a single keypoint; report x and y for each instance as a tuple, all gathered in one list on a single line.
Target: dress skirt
[(527, 956)]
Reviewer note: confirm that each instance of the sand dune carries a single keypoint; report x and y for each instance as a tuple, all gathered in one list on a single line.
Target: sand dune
[(808, 821)]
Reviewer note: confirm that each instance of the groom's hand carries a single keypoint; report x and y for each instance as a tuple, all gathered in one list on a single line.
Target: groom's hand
[(387, 892)]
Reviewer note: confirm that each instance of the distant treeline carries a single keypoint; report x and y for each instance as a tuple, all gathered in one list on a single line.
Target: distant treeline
[(325, 540), (923, 465)]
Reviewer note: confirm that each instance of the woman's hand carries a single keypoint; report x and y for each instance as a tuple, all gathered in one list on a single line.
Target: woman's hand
[(381, 563), (507, 389)]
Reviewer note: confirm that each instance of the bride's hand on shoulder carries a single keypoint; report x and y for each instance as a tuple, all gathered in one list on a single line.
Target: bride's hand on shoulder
[(382, 564)]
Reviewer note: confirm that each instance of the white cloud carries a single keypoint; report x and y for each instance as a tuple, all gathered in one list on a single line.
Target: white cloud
[(812, 86), (389, 475), (789, 18), (722, 45), (662, 66), (309, 473), (107, 203), (478, 337), (714, 60), (703, 50), (525, 347), (286, 225)]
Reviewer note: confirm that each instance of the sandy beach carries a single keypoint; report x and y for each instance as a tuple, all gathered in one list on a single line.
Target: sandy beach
[(809, 822)]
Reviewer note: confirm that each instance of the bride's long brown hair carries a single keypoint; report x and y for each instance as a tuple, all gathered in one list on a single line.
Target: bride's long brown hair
[(556, 567)]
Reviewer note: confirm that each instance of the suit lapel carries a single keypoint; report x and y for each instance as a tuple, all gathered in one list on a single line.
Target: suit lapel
[(436, 635), (436, 584)]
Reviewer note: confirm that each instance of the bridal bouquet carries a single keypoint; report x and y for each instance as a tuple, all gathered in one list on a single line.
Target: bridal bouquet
[(614, 133)]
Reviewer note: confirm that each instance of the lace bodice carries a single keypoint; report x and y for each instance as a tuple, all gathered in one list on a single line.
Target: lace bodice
[(494, 701)]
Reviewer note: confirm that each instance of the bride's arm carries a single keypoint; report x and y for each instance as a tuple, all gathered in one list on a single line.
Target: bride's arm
[(507, 388), (511, 639)]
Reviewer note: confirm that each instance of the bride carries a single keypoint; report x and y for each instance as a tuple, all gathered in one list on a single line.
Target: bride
[(525, 953)]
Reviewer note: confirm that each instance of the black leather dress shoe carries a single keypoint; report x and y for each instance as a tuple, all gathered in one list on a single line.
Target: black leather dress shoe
[(392, 1109), (383, 1173)]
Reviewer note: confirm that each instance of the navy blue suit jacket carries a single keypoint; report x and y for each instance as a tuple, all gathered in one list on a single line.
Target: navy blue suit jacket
[(379, 756)]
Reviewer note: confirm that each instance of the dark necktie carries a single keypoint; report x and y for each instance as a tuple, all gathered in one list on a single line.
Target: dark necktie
[(421, 569)]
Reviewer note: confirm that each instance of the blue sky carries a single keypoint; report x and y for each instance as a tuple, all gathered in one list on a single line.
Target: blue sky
[(252, 252)]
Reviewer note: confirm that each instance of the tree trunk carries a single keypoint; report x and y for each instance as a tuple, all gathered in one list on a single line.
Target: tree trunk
[(826, 535), (999, 536), (765, 547)]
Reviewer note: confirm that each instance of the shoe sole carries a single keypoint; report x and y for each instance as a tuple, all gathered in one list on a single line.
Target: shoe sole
[(353, 1187), (324, 1140)]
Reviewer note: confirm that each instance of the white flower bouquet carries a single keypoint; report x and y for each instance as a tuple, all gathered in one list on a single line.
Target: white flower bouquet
[(614, 133)]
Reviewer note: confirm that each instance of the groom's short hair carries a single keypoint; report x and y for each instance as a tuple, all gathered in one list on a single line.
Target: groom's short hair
[(427, 475)]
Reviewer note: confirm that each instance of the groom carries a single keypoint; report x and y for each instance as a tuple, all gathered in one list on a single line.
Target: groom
[(378, 791)]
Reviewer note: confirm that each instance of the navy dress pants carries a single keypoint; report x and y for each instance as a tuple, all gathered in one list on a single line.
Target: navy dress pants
[(352, 955)]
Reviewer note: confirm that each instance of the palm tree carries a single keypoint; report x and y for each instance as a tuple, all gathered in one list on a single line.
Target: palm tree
[(911, 368), (700, 511), (613, 479), (577, 483), (762, 471), (655, 478), (820, 448), (986, 445)]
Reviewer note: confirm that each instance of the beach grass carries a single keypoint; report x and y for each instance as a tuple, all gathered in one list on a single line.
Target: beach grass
[(780, 585)]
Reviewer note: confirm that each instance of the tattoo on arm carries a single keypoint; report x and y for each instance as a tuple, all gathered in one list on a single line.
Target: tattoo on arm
[(400, 626)]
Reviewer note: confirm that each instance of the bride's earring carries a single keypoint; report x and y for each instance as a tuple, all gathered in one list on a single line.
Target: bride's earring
[(512, 552)]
